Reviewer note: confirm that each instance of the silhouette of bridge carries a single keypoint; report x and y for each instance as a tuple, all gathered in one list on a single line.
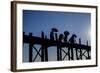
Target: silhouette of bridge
[(80, 49)]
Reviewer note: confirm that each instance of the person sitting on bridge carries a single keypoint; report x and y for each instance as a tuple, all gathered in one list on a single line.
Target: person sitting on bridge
[(72, 39), (66, 33), (52, 33), (61, 38)]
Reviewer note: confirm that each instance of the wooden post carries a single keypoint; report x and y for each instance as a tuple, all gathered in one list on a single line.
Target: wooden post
[(80, 49), (60, 54), (30, 47), (42, 49), (87, 43), (46, 50), (46, 54), (68, 53), (88, 51), (76, 54), (72, 54), (88, 54)]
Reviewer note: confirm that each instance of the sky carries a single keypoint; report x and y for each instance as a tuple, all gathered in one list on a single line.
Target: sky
[(74, 22)]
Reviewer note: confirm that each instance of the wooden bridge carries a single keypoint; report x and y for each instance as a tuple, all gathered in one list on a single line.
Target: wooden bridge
[(80, 49)]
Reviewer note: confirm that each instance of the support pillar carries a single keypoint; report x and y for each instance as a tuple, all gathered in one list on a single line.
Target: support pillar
[(30, 48), (68, 53), (72, 54), (80, 49), (46, 50), (42, 49)]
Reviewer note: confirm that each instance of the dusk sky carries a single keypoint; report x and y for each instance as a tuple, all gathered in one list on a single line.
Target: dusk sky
[(37, 21)]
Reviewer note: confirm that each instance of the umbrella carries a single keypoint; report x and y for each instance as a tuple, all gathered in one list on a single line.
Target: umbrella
[(66, 32), (74, 35), (55, 29)]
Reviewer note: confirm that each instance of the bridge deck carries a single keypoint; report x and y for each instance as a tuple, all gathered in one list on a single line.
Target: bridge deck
[(48, 42)]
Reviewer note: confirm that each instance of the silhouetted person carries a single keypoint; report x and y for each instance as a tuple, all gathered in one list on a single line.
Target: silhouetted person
[(52, 33), (72, 40), (66, 33), (61, 37)]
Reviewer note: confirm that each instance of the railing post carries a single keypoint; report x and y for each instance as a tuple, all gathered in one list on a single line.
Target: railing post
[(42, 49), (88, 51), (30, 47), (60, 54), (76, 54), (72, 54), (80, 49), (46, 50), (69, 53)]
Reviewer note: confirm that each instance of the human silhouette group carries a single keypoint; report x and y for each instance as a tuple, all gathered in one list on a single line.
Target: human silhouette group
[(63, 37)]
